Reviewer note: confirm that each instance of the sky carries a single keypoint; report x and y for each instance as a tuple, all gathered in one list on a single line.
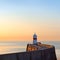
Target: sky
[(20, 19)]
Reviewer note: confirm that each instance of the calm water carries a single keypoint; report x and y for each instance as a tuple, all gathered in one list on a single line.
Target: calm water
[(13, 47)]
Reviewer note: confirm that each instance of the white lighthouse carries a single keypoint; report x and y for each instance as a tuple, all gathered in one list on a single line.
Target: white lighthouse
[(34, 39)]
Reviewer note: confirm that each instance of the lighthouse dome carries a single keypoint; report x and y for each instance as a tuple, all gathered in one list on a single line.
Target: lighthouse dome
[(34, 36)]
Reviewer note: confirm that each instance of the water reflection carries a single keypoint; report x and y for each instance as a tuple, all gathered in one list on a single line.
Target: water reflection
[(11, 49)]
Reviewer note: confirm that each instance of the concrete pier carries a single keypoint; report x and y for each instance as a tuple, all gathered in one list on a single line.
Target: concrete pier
[(47, 54)]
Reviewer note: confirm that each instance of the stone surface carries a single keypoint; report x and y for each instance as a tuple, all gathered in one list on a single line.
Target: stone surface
[(47, 54)]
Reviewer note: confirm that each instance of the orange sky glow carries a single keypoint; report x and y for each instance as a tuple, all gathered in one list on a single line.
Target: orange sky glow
[(19, 20)]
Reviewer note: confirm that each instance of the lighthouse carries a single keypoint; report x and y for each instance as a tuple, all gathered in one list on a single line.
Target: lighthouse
[(34, 39)]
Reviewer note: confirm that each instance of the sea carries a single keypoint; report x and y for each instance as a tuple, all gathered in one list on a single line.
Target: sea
[(20, 46)]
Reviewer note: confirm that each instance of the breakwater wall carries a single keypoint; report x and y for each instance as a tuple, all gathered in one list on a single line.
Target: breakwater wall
[(47, 54)]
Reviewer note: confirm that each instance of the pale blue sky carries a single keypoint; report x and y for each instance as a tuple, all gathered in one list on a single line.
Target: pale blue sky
[(30, 8), (48, 6)]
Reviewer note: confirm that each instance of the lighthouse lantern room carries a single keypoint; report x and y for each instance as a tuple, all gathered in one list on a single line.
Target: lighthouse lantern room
[(34, 39)]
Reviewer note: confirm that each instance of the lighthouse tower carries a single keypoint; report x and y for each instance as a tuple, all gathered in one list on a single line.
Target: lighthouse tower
[(34, 39)]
